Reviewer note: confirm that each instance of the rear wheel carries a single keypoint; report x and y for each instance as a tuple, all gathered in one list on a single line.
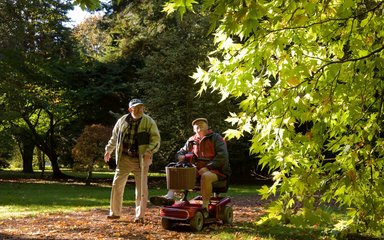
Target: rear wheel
[(228, 215), (197, 222), (167, 223)]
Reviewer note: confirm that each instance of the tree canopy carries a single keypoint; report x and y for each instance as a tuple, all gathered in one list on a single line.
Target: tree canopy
[(33, 47), (103, 63), (307, 76), (310, 76), (155, 56)]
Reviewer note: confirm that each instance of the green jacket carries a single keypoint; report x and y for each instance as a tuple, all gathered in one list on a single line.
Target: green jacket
[(147, 124)]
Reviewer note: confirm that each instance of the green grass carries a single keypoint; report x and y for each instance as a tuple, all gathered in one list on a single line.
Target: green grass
[(251, 231), (20, 199), (28, 194), (20, 196)]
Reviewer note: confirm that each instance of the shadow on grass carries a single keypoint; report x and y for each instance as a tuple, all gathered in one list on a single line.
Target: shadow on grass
[(52, 194), (253, 231), (33, 195), (11, 236)]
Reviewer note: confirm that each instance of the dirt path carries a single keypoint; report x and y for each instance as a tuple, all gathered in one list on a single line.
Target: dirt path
[(94, 224)]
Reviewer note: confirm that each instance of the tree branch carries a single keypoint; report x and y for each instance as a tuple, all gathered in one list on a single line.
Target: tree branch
[(349, 60), (328, 20)]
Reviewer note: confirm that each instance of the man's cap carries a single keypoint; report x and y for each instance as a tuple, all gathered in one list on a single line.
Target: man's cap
[(135, 102), (199, 119)]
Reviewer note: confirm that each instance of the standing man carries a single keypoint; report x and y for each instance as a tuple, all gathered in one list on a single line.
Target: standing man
[(211, 159), (135, 138)]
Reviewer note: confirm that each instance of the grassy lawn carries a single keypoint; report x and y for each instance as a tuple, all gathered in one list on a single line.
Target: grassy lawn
[(20, 196), (29, 194), (20, 199)]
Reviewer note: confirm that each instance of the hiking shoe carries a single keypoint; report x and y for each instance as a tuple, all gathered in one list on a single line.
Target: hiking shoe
[(161, 201), (113, 217)]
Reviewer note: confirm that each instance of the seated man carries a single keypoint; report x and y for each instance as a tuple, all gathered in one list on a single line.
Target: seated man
[(211, 154)]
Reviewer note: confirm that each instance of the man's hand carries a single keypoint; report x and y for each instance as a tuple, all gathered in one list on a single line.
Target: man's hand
[(107, 156), (147, 156), (181, 158)]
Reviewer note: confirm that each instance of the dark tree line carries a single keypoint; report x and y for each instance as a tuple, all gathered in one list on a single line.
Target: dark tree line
[(67, 79)]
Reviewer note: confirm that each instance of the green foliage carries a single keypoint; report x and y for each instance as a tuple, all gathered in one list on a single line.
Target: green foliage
[(310, 75), (91, 39), (33, 48), (180, 5), (104, 63), (150, 56), (89, 4), (6, 147), (165, 84)]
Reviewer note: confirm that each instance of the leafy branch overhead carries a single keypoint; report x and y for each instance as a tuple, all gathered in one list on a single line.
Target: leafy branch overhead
[(88, 4), (309, 74), (309, 77)]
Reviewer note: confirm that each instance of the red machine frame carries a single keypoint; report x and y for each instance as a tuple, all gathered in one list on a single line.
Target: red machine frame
[(191, 212)]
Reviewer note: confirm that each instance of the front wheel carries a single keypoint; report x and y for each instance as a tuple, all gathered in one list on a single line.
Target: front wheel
[(197, 222), (167, 223), (228, 215)]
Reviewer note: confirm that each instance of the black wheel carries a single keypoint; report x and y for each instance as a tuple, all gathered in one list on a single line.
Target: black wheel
[(167, 223), (197, 222), (228, 215)]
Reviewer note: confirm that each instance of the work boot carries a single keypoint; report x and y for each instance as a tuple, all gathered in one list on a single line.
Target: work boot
[(161, 201)]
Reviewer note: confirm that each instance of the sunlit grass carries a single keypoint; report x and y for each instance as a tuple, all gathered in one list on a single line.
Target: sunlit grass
[(16, 211), (243, 190), (21, 199), (21, 196)]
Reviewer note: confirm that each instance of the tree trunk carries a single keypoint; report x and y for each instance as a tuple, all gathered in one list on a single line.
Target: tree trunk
[(88, 180), (47, 145), (26, 147), (27, 154), (56, 172), (41, 160)]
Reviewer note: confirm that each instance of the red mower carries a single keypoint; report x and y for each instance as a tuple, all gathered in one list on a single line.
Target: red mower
[(190, 211)]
